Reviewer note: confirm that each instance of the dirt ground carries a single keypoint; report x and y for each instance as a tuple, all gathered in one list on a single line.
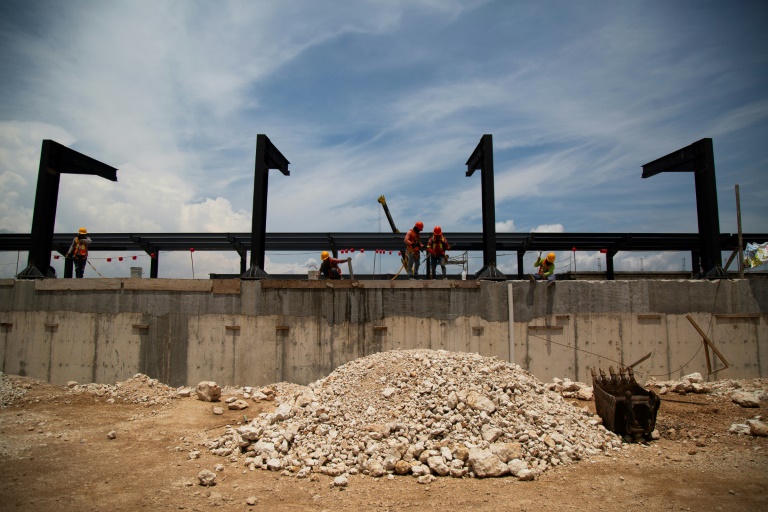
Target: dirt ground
[(55, 454)]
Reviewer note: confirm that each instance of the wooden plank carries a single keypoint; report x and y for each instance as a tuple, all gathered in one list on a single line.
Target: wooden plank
[(226, 286), (649, 317), (708, 342), (169, 285), (71, 285), (738, 315), (421, 284), (295, 283)]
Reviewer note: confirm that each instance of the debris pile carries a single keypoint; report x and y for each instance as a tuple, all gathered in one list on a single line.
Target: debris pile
[(695, 383), (10, 390), (420, 412), (139, 389)]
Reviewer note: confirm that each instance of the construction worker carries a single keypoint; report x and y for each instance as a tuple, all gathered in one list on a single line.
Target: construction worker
[(413, 248), (546, 268), (436, 247), (330, 266), (78, 251)]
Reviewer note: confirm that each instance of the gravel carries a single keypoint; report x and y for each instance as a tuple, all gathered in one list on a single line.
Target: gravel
[(419, 412)]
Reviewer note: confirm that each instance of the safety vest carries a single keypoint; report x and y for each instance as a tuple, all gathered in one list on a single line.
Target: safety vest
[(328, 265), (80, 250), (413, 241), (437, 245)]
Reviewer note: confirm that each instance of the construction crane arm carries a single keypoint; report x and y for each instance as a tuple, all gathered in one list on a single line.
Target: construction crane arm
[(389, 216)]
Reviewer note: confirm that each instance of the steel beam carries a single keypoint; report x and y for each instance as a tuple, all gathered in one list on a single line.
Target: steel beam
[(482, 159), (55, 160), (267, 157), (698, 158)]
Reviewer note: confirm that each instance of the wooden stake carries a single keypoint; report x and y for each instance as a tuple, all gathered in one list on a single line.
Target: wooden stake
[(738, 223), (707, 342)]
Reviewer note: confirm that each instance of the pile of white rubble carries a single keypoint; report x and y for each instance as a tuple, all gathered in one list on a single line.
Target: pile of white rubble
[(423, 413)]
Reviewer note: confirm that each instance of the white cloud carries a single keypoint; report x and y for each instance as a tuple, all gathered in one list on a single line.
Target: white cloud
[(507, 226), (549, 228)]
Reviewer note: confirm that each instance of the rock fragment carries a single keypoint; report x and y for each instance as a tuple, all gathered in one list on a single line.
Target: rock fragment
[(206, 478), (208, 391)]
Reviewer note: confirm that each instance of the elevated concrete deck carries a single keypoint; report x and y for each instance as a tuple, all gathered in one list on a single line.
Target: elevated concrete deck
[(259, 332)]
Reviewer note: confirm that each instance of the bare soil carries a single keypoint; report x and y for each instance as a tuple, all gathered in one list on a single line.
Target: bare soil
[(55, 454)]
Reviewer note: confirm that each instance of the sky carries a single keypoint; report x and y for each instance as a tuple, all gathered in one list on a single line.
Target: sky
[(381, 97)]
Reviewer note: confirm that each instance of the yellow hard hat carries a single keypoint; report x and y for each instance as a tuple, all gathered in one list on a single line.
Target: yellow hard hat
[(551, 257), (82, 231), (324, 255)]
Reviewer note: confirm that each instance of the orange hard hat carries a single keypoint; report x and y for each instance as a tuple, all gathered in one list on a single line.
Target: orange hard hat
[(419, 225), (551, 257), (437, 230), (82, 231), (324, 255)]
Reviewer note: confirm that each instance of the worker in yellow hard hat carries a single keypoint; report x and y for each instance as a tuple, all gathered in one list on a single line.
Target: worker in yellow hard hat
[(330, 266), (546, 268), (78, 251)]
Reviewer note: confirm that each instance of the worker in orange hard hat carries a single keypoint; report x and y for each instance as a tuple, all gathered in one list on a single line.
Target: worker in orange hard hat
[(436, 247), (413, 247), (546, 268), (330, 266), (78, 251)]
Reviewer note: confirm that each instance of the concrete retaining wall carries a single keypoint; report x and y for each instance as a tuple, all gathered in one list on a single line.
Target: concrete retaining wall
[(260, 332)]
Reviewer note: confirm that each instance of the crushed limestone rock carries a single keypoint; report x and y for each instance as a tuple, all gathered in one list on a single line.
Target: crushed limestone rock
[(423, 413), (139, 389), (11, 390)]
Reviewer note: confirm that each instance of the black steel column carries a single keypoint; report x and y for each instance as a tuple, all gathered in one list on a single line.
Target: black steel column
[(153, 265), (482, 158), (609, 265), (267, 157), (706, 207), (698, 158), (69, 266), (520, 272), (55, 160)]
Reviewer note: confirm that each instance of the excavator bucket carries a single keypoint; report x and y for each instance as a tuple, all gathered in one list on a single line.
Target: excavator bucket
[(625, 407)]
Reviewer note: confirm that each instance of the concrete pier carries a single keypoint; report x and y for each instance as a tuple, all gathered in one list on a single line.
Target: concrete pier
[(259, 332)]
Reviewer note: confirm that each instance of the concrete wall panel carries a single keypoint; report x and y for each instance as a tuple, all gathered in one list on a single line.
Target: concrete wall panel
[(300, 331), (648, 335), (212, 354), (73, 346), (117, 345), (737, 339), (28, 345)]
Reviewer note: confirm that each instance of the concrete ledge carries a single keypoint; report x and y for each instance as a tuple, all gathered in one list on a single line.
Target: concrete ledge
[(7, 282), (226, 286), (70, 285), (169, 285), (377, 284)]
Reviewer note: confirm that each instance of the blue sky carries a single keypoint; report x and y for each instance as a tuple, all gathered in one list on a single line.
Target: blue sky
[(382, 97)]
